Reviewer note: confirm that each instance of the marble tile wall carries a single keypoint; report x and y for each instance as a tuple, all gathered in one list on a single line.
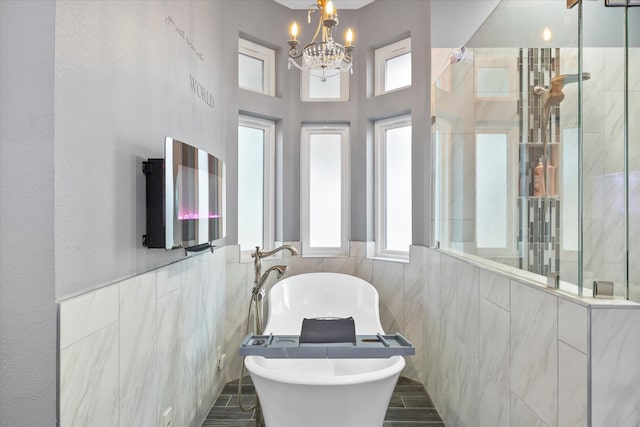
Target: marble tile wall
[(491, 346), (132, 349), (503, 352), (614, 367)]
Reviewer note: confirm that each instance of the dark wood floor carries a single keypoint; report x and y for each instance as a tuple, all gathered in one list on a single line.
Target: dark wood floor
[(410, 406)]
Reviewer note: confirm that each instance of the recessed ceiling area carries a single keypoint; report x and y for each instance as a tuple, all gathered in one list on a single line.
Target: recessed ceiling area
[(339, 4)]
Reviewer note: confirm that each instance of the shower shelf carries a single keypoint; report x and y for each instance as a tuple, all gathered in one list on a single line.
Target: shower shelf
[(538, 197), (289, 347)]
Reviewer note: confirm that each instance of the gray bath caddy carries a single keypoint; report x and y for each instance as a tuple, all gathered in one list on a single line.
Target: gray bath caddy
[(289, 347)]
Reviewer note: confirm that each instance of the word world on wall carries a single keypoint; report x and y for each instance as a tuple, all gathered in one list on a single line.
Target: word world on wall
[(201, 92)]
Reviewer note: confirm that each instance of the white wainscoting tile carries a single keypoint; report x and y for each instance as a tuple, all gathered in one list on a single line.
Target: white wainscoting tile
[(192, 298), (139, 407), (534, 350), (364, 265), (448, 378), (522, 415), (431, 304), (190, 360), (89, 380), (344, 265), (239, 280), (493, 364), (169, 356), (414, 332), (414, 272), (572, 324), (495, 288), (83, 315), (467, 387), (615, 352), (231, 254), (572, 386), (448, 266), (467, 306), (388, 280), (300, 265), (138, 350), (170, 278)]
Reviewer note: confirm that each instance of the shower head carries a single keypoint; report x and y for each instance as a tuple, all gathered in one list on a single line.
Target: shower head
[(553, 96), (568, 78)]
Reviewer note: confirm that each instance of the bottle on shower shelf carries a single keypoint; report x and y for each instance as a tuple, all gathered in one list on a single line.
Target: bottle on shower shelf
[(538, 179), (552, 177)]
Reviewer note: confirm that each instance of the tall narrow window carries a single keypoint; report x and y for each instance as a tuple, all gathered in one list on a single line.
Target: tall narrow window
[(256, 183), (256, 67), (393, 187), (393, 66), (492, 178), (324, 187)]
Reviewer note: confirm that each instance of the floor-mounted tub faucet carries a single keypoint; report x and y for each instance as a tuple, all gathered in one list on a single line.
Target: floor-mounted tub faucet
[(256, 303), (258, 293)]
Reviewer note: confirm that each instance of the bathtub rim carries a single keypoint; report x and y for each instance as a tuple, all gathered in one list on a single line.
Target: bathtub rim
[(331, 277), (396, 364)]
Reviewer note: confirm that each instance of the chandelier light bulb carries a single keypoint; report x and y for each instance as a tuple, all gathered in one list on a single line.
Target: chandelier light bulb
[(294, 30), (349, 37), (329, 9), (546, 34)]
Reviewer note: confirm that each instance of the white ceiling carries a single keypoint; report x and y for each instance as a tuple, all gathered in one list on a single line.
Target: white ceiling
[(339, 4)]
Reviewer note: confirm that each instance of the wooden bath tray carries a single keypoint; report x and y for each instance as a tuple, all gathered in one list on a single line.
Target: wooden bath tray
[(288, 347)]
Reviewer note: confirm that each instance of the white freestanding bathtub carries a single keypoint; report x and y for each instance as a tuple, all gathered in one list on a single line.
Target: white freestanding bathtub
[(323, 392)]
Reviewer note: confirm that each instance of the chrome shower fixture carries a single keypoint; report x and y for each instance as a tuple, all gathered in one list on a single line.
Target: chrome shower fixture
[(553, 96)]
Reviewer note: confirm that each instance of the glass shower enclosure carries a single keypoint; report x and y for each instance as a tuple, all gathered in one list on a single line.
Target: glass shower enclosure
[(536, 143)]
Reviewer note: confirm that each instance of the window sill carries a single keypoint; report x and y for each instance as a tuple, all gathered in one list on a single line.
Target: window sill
[(389, 259)]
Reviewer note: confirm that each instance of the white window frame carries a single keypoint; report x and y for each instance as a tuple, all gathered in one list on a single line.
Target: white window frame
[(305, 139), (268, 58), (305, 78), (381, 56), (380, 128), (269, 179)]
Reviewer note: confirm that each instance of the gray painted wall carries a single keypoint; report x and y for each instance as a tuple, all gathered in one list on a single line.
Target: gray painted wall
[(265, 23), (412, 18), (27, 308), (122, 83), (268, 24)]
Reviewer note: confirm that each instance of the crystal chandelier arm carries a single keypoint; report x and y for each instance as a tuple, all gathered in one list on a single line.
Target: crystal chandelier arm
[(294, 49), (315, 36), (294, 63)]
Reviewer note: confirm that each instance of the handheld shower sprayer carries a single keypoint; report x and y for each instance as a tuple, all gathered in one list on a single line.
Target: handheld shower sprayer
[(553, 96)]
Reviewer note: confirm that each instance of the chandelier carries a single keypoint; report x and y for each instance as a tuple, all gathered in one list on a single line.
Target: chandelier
[(322, 53)]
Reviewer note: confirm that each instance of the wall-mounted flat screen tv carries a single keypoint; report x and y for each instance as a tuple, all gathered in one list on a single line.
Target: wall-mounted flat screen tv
[(185, 198)]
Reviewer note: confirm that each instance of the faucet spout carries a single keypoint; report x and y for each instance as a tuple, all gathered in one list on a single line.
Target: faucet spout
[(263, 254)]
